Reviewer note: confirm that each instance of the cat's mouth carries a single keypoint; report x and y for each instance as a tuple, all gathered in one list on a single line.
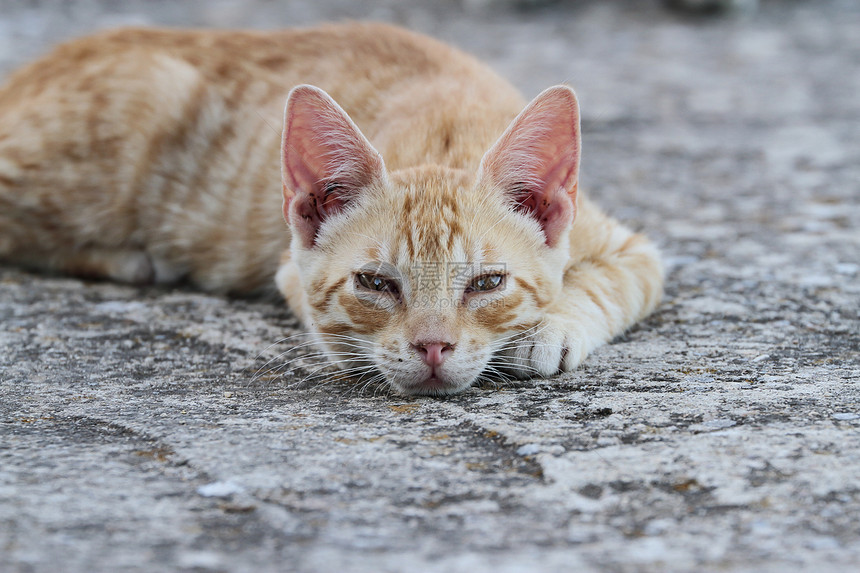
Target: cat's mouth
[(433, 383), (431, 386), (411, 376)]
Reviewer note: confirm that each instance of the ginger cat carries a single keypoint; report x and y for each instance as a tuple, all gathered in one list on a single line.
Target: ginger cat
[(147, 156)]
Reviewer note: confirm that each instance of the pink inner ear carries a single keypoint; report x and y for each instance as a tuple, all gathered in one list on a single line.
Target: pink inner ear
[(556, 215), (536, 161), (327, 161)]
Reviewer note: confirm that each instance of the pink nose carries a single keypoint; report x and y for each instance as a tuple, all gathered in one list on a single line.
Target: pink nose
[(434, 353)]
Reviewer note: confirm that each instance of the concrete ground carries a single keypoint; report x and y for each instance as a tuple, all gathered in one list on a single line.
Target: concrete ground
[(722, 434)]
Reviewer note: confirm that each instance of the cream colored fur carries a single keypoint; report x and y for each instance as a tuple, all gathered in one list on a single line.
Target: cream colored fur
[(155, 155)]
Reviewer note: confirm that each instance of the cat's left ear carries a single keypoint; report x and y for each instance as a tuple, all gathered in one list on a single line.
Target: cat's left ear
[(535, 162), (326, 161)]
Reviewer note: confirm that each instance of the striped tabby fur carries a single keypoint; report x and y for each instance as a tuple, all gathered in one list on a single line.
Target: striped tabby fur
[(436, 232)]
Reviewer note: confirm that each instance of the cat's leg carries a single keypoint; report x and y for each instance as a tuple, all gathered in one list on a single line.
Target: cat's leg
[(31, 237), (122, 265), (128, 266), (603, 295), (28, 241)]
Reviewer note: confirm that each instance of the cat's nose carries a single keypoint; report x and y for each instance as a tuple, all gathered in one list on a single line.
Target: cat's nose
[(434, 353)]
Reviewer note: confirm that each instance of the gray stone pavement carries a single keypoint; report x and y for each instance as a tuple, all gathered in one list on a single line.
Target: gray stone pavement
[(723, 434)]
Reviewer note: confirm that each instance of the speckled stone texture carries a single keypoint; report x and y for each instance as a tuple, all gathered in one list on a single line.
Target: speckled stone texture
[(722, 434)]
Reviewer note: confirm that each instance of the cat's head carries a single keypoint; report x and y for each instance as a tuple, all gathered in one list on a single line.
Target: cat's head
[(426, 275)]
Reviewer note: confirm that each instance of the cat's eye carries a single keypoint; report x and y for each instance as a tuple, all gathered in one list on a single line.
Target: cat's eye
[(485, 283), (377, 283)]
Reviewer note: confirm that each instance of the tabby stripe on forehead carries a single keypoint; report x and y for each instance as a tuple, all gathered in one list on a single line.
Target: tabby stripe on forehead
[(455, 229), (406, 226), (323, 296)]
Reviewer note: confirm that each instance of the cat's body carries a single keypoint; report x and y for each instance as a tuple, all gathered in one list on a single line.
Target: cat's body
[(156, 155)]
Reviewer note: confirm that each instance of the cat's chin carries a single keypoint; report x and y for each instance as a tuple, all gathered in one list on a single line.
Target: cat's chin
[(431, 386)]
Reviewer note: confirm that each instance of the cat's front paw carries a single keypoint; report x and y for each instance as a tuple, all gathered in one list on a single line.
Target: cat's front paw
[(544, 350)]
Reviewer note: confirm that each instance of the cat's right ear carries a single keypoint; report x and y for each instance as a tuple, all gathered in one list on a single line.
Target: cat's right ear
[(326, 161), (535, 163)]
